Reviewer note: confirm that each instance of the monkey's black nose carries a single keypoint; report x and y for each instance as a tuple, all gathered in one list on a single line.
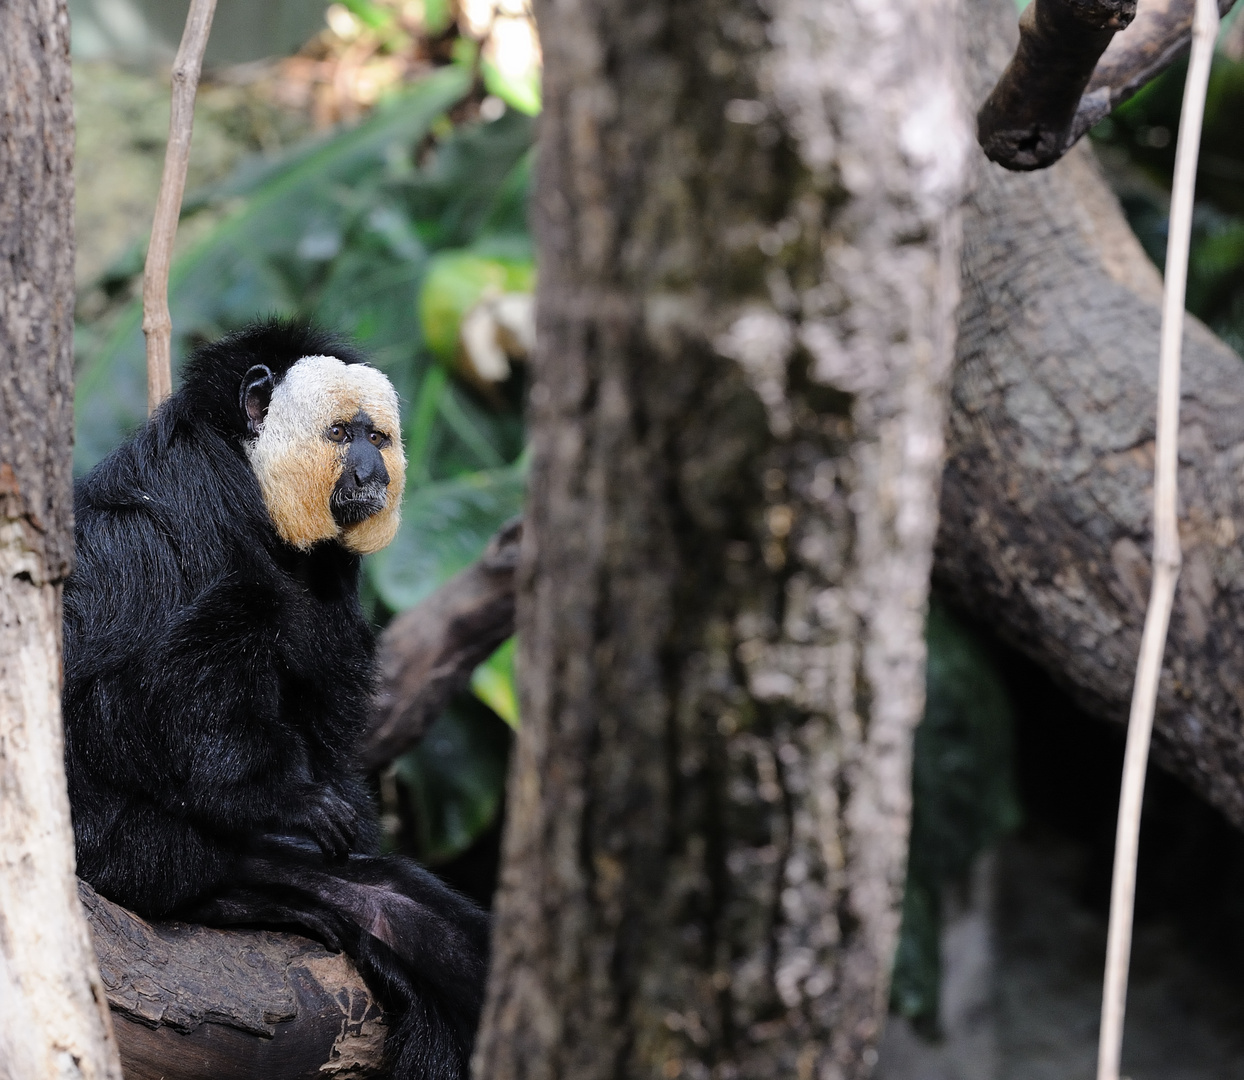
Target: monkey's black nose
[(360, 491), (368, 466)]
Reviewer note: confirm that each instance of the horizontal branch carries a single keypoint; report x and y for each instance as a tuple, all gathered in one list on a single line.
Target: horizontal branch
[(192, 1003)]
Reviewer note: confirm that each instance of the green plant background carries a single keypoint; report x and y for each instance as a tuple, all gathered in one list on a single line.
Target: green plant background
[(390, 231)]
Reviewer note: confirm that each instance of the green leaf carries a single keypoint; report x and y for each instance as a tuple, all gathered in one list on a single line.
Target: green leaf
[(493, 683), (371, 15), (455, 282), (437, 16), (451, 785), (457, 194), (420, 427), (522, 91), (445, 527), (277, 254)]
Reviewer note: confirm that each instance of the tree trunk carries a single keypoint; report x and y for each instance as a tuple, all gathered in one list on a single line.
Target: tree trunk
[(53, 1016), (748, 255), (1047, 505)]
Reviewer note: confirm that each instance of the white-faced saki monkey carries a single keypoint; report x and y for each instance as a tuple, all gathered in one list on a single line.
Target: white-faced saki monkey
[(219, 672)]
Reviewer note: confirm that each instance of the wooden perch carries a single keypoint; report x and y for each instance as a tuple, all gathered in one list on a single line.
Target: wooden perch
[(427, 654), (191, 1003), (157, 323), (1056, 87)]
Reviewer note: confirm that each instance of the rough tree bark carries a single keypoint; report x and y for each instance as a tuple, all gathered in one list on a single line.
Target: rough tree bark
[(53, 1017), (748, 256), (191, 1003), (1046, 517)]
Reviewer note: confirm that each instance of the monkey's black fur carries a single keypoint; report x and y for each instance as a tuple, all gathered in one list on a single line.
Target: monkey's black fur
[(216, 686)]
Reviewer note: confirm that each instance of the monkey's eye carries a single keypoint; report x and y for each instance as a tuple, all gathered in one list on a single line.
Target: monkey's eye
[(337, 433), (378, 438)]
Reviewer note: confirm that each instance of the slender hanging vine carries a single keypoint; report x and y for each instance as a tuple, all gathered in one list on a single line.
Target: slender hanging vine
[(1166, 552)]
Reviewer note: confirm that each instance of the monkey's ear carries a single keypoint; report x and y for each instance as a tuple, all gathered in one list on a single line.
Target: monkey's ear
[(255, 395)]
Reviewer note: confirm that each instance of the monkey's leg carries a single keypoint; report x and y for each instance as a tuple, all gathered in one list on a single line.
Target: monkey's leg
[(419, 946)]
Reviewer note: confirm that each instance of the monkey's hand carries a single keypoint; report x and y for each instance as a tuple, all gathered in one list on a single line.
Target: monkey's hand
[(331, 821)]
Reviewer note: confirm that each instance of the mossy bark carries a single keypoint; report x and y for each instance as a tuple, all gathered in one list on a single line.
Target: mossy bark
[(746, 217), (53, 1016)]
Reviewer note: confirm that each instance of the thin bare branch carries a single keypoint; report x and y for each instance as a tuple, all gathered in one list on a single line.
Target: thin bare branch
[(157, 323), (1061, 82), (1167, 556), (1025, 122)]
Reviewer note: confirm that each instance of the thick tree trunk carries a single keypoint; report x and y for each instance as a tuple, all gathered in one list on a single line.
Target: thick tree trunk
[(53, 1017), (1047, 504), (748, 257)]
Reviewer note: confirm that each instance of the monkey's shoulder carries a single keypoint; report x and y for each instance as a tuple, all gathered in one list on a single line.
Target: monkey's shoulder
[(175, 542)]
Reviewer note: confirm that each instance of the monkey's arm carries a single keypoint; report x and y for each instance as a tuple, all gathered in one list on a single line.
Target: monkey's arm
[(184, 711)]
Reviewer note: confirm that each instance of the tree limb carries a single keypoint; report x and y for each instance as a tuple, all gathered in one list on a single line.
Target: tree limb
[(192, 1003), (1056, 87), (1026, 120), (1046, 504)]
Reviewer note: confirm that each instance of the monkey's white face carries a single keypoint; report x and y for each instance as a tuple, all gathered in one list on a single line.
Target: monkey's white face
[(298, 461)]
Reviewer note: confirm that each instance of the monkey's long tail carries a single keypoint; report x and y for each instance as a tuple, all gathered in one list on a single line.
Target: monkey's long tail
[(420, 947)]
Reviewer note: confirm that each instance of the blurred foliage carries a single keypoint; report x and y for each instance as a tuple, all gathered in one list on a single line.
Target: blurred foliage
[(444, 528), (493, 684), (963, 800), (369, 47), (121, 121), (1137, 144), (390, 232), (449, 788)]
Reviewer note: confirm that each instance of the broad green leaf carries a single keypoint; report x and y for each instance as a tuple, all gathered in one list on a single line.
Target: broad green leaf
[(453, 782), (373, 16), (520, 91), (445, 527), (437, 16), (454, 283), (493, 683)]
